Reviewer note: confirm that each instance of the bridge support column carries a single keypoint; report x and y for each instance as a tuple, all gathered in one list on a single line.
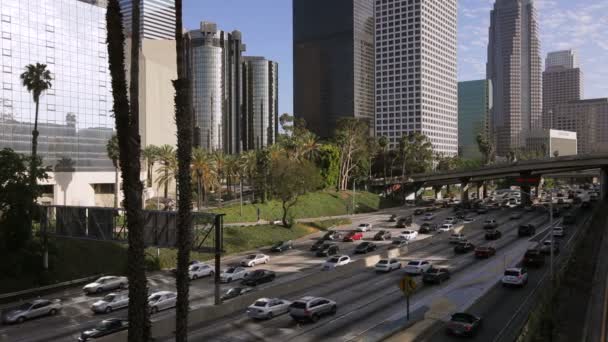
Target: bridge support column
[(464, 191), (539, 187), (481, 190), (438, 194), (604, 183)]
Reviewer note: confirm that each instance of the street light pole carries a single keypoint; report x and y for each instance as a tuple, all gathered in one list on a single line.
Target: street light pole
[(241, 183)]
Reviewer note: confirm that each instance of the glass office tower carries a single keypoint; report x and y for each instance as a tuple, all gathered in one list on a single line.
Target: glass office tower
[(75, 114), (474, 105), (157, 18)]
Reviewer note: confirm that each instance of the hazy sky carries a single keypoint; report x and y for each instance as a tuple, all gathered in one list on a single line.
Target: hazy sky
[(266, 27)]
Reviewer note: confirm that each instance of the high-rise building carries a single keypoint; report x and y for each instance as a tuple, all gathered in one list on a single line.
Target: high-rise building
[(514, 67), (157, 18), (474, 105), (562, 82), (260, 103), (333, 51), (215, 70), (589, 119), (416, 86)]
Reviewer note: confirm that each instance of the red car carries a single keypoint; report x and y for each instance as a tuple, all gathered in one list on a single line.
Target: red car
[(352, 236), (484, 252)]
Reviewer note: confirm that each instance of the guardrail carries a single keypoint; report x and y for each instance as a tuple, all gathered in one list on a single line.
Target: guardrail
[(30, 293)]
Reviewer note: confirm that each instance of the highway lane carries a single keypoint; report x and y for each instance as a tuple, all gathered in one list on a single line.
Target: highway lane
[(76, 314), (365, 299)]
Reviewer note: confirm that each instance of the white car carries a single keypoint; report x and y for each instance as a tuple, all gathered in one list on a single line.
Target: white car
[(455, 238), (199, 271), (450, 220), (255, 259), (387, 265), (161, 300), (429, 216), (33, 309), (335, 261), (408, 235), (515, 276), (267, 308), (559, 231), (111, 302), (446, 227), (364, 227), (105, 284), (417, 266), (232, 273)]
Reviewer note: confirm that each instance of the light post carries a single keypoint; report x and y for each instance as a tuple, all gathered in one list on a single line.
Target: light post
[(241, 186)]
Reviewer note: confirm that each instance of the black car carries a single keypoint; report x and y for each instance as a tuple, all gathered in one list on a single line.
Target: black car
[(332, 235), (546, 247), (533, 258), (460, 215), (392, 218), (463, 247), (526, 230), (365, 247), (427, 228), (258, 277), (235, 292), (282, 246), (493, 234), (435, 275), (404, 222), (105, 327), (327, 250), (382, 235), (463, 324), (398, 243), (418, 212), (315, 246)]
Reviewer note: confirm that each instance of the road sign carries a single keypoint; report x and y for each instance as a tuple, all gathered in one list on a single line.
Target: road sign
[(408, 285)]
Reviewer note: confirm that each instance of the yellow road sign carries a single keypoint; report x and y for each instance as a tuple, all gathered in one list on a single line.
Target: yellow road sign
[(408, 285)]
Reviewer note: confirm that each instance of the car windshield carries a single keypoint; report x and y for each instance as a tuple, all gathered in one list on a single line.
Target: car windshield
[(154, 298), (24, 306), (278, 244), (333, 260), (233, 291), (383, 262), (512, 273), (231, 270), (396, 242), (547, 243), (413, 263), (433, 270), (104, 325), (260, 303), (364, 245), (109, 298), (252, 256), (461, 318), (298, 305)]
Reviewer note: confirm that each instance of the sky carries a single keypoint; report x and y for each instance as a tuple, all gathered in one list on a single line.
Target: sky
[(266, 26)]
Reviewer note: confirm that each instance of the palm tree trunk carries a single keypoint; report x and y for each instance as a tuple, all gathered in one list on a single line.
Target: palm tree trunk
[(116, 187), (127, 126), (166, 183), (33, 166)]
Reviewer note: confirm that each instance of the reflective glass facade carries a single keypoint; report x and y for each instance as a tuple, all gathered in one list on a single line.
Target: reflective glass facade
[(75, 114), (157, 18), (260, 81), (474, 104)]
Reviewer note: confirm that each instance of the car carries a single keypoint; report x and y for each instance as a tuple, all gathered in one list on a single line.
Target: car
[(106, 283), (404, 222), (455, 238), (446, 227), (31, 309), (533, 258), (417, 266), (463, 324), (493, 234), (232, 273), (332, 235), (199, 271), (317, 245), (559, 231), (392, 218), (383, 235), (459, 215), (365, 247), (282, 246), (408, 235), (526, 230), (235, 292), (545, 248), (418, 212), (515, 216), (482, 210), (450, 220), (484, 251), (311, 308), (267, 308), (258, 277), (352, 236), (435, 275), (387, 265), (327, 250), (429, 216), (429, 209), (334, 262), (192, 262), (104, 328), (490, 224), (161, 300), (364, 227), (399, 243), (255, 259), (112, 301), (515, 276), (427, 228), (468, 219), (463, 247)]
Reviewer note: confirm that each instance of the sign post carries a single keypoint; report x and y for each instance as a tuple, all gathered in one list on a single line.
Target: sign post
[(407, 286)]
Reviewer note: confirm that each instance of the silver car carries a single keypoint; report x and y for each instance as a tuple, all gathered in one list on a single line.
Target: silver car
[(312, 308), (33, 309), (161, 300), (267, 308), (111, 302), (255, 259), (106, 284), (232, 273)]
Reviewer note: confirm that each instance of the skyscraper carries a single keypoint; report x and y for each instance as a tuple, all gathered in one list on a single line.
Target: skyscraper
[(333, 51), (416, 86), (215, 70), (260, 103), (474, 105), (562, 82), (589, 119), (514, 67), (157, 18)]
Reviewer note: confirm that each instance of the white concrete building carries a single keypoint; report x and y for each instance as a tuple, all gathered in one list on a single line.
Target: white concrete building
[(565, 58)]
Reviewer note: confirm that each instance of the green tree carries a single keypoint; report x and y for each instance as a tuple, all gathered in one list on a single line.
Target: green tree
[(486, 147), (329, 165), (126, 115), (219, 162), (292, 179), (150, 154), (351, 137), (168, 168), (383, 146), (36, 79), (416, 154), (262, 172), (203, 172), (446, 163), (113, 152)]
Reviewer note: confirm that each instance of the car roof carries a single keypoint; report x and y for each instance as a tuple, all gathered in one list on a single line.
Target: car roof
[(514, 269), (38, 301), (162, 293)]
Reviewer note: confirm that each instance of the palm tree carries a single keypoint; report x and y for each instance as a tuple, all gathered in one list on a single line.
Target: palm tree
[(203, 172), (309, 147), (114, 154), (150, 154), (166, 156), (383, 145), (219, 160), (36, 79), (248, 163), (126, 116)]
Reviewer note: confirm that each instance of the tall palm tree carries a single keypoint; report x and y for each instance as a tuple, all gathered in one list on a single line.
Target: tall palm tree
[(113, 152), (232, 172), (383, 145), (150, 154), (126, 116), (248, 163), (309, 147), (166, 156), (203, 172), (36, 79), (219, 161)]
